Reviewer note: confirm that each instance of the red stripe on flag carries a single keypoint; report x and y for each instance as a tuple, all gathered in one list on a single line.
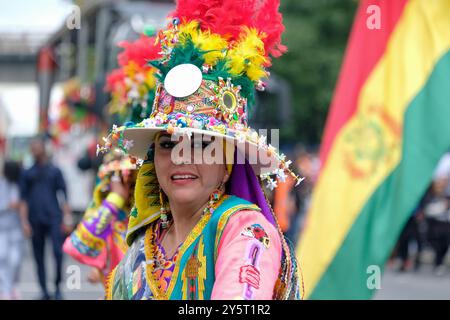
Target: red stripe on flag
[(365, 48)]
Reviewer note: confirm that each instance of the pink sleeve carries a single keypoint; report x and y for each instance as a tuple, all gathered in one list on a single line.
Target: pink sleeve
[(248, 258)]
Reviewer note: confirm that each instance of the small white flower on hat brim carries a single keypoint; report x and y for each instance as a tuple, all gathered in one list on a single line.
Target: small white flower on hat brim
[(128, 144), (281, 175), (271, 184), (149, 123), (99, 150), (299, 181)]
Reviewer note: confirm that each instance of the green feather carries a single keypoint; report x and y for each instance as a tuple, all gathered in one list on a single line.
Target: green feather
[(189, 53)]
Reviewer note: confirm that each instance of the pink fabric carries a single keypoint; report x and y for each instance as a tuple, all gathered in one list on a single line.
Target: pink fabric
[(245, 268), (108, 259), (98, 262)]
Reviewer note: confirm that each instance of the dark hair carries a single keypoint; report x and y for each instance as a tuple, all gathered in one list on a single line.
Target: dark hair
[(12, 171)]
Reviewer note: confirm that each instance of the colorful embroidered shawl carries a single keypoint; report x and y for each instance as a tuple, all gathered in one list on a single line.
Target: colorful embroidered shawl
[(194, 272)]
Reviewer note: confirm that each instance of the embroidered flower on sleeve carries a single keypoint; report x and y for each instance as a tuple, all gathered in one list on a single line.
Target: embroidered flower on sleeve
[(257, 232)]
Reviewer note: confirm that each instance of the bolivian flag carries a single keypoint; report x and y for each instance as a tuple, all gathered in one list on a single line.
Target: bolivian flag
[(388, 125)]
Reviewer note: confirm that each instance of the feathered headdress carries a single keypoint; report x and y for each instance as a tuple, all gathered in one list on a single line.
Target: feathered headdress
[(225, 39), (213, 55)]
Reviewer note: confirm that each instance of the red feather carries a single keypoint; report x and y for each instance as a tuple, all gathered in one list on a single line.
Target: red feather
[(114, 79), (228, 17), (139, 51)]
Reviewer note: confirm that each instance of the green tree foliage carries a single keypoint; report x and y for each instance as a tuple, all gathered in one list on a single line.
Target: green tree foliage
[(316, 36)]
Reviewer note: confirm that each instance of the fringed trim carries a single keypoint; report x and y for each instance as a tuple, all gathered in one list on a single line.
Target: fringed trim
[(108, 284), (287, 286)]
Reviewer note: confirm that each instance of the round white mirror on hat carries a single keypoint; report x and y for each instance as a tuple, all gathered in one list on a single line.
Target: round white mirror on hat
[(183, 80)]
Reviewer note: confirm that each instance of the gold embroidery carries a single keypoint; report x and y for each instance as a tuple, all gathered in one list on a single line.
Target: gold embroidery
[(187, 243), (202, 274), (192, 267), (149, 253), (109, 284)]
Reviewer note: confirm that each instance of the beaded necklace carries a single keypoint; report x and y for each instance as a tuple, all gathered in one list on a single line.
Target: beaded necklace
[(151, 244)]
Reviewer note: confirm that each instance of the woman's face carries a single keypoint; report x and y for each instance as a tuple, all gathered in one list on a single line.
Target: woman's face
[(188, 182)]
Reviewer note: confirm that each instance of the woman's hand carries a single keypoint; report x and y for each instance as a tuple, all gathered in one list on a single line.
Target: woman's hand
[(94, 276), (117, 186)]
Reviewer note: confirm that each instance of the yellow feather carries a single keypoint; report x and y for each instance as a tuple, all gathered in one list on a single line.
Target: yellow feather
[(130, 69), (150, 79), (247, 56), (188, 30), (204, 40), (214, 44)]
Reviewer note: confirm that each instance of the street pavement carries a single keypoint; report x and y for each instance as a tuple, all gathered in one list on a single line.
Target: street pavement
[(414, 285), (74, 286), (422, 284)]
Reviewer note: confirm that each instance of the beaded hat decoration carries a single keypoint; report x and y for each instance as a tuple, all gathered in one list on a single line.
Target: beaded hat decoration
[(214, 54)]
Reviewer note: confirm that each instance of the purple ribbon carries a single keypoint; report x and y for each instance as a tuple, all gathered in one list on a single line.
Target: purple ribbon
[(244, 184)]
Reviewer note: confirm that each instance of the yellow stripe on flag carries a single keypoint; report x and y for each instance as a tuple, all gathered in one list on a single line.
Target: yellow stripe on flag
[(368, 147)]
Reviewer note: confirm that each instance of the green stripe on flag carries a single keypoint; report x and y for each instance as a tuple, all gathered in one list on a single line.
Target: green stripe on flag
[(426, 137)]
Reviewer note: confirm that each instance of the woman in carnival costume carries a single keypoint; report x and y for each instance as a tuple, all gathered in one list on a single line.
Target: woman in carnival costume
[(99, 239), (206, 230)]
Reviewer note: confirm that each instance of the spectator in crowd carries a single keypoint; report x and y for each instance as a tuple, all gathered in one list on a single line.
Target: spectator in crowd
[(410, 234), (43, 191), (436, 210), (11, 237)]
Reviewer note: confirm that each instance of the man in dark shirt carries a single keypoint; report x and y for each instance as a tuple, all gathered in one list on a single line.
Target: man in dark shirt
[(40, 187)]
